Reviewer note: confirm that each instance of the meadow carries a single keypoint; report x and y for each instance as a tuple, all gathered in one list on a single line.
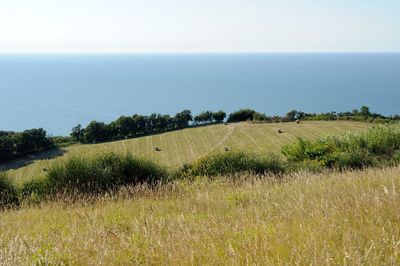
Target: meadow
[(191, 202), (184, 146), (348, 218)]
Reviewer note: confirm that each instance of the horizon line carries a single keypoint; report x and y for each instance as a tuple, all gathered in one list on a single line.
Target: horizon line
[(188, 52)]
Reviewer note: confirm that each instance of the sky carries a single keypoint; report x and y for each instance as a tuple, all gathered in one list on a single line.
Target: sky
[(121, 26)]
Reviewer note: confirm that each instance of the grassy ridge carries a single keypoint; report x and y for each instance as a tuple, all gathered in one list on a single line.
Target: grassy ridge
[(345, 218), (187, 145)]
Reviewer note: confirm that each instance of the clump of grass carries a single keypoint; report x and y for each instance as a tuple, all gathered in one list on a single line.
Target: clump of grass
[(232, 162), (8, 192)]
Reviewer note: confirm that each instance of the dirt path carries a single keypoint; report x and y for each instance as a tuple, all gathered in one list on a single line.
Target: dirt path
[(220, 142), (227, 136)]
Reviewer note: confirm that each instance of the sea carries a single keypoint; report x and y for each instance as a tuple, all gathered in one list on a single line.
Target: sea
[(59, 91)]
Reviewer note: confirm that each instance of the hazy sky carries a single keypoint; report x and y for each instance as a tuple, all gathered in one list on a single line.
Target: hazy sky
[(198, 26)]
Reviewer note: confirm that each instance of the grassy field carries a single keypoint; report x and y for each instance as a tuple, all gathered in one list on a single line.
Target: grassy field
[(186, 145), (328, 219)]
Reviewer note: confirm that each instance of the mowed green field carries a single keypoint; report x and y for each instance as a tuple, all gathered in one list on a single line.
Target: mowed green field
[(186, 145)]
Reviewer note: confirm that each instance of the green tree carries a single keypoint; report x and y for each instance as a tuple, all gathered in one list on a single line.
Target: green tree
[(241, 115), (364, 111), (204, 117), (219, 116), (96, 131), (124, 126), (183, 119), (291, 115), (139, 122), (294, 115), (77, 133), (31, 141), (6, 149), (260, 117)]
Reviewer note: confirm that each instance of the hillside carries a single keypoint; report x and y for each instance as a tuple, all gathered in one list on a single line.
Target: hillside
[(304, 219), (178, 147)]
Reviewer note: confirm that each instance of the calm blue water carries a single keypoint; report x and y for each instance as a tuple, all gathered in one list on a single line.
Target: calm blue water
[(57, 92)]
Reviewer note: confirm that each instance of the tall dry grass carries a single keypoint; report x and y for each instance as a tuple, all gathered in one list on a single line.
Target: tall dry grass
[(321, 219)]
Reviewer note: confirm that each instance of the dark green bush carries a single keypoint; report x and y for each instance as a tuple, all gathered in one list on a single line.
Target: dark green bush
[(352, 159), (15, 145), (35, 189), (103, 172), (8, 192), (233, 162)]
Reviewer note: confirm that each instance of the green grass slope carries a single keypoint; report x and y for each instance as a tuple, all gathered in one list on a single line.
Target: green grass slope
[(186, 145)]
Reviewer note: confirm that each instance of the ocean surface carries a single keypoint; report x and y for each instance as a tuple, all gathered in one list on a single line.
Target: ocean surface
[(57, 92)]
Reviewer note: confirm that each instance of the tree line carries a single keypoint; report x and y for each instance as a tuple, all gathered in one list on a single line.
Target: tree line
[(14, 145), (362, 115), (139, 125)]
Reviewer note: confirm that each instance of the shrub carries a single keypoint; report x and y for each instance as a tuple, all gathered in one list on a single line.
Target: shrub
[(380, 121), (304, 150), (378, 146), (233, 162), (353, 159), (35, 189), (382, 140), (8, 192), (103, 172)]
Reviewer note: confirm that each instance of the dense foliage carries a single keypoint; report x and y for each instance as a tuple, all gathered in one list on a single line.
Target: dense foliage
[(103, 172), (379, 146), (362, 115), (130, 126), (139, 125), (242, 115), (210, 117), (18, 144), (233, 162)]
